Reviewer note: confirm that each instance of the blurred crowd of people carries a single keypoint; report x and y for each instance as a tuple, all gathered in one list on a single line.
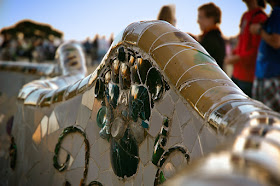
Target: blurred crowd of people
[(256, 56), (38, 49), (33, 49)]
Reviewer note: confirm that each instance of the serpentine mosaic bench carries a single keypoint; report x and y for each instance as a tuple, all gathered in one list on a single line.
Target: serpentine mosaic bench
[(156, 103)]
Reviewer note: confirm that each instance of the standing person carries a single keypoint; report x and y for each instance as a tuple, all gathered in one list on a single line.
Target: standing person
[(266, 87), (167, 13), (209, 18), (245, 54)]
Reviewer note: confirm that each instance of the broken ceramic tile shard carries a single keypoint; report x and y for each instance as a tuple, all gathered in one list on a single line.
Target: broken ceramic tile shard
[(154, 83), (124, 155), (143, 67), (125, 79), (139, 103), (99, 89)]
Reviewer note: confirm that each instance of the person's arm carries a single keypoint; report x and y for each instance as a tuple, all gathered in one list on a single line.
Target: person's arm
[(271, 39)]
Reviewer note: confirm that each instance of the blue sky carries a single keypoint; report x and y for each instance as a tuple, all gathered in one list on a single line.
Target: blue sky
[(79, 19)]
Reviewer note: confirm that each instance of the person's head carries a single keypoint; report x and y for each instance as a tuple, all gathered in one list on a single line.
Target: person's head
[(167, 13), (255, 3), (274, 2), (209, 15)]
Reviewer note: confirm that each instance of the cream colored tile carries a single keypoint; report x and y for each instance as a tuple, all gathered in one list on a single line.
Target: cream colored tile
[(93, 171), (88, 98), (53, 124), (44, 126), (155, 123), (149, 174), (165, 106)]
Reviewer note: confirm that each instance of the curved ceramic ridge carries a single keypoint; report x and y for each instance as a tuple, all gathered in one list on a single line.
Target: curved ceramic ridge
[(72, 64)]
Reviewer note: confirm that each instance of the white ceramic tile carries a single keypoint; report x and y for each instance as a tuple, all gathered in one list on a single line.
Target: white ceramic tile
[(104, 161), (79, 160), (106, 178), (138, 180), (143, 149), (71, 160), (149, 174), (98, 149), (168, 169), (155, 123), (209, 140), (77, 142), (92, 131), (189, 135), (178, 160), (165, 106), (175, 127), (173, 95), (88, 98), (53, 124), (93, 171), (83, 116), (172, 141), (62, 156), (184, 115), (196, 151), (52, 140), (74, 176), (128, 182), (44, 126)]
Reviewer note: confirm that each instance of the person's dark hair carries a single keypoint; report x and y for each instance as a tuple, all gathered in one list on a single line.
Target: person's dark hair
[(261, 3), (211, 10), (275, 2), (166, 14)]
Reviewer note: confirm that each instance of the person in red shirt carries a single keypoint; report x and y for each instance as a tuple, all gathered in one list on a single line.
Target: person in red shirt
[(245, 54)]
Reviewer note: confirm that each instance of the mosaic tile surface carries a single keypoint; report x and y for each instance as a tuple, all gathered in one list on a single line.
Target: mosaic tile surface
[(157, 103)]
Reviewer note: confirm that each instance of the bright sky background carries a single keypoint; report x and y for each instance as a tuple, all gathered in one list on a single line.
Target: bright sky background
[(79, 19)]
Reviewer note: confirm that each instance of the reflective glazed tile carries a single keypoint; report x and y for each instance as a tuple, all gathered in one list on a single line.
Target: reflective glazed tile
[(84, 83), (155, 123), (151, 35), (88, 98), (149, 174), (35, 97)]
